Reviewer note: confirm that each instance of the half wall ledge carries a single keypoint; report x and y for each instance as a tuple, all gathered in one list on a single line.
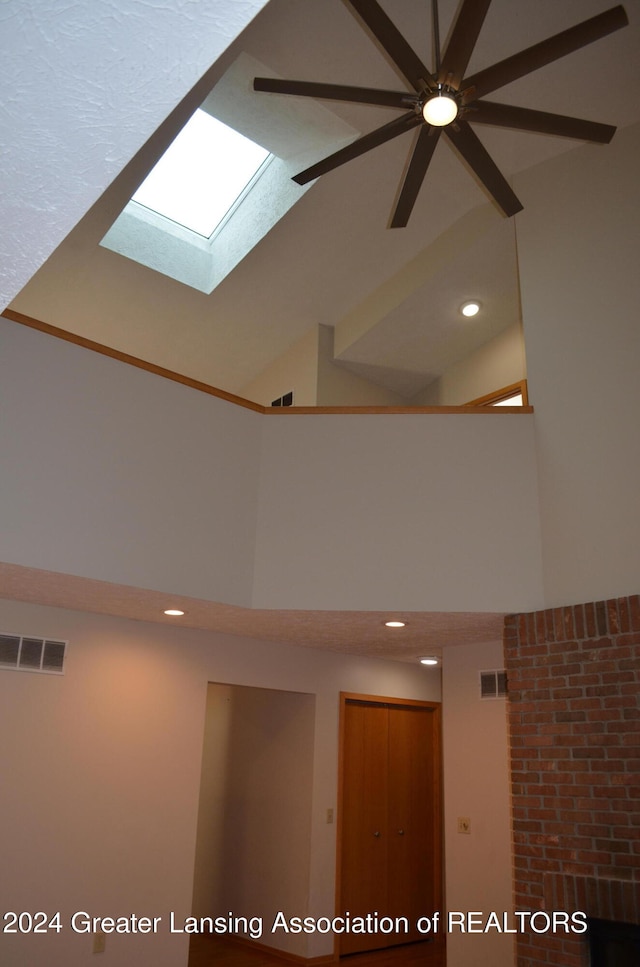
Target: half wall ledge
[(202, 387)]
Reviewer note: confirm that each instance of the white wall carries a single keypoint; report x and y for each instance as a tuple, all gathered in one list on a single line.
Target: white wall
[(100, 813), (115, 474), (337, 386), (296, 370), (425, 513), (578, 249), (498, 363), (476, 786), (77, 114), (309, 369)]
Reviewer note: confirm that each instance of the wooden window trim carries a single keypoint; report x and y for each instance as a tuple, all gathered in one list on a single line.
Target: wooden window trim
[(502, 394)]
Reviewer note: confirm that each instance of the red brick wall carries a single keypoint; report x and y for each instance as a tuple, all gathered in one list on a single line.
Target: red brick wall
[(574, 718)]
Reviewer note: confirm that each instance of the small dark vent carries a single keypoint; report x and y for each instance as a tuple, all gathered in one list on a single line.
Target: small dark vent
[(29, 654), (9, 650), (53, 657), (285, 400), (493, 684)]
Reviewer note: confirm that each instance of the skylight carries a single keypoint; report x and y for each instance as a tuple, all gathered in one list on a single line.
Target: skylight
[(258, 187), (202, 174)]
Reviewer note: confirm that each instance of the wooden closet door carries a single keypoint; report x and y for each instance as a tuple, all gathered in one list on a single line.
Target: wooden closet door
[(364, 818), (411, 827), (390, 836)]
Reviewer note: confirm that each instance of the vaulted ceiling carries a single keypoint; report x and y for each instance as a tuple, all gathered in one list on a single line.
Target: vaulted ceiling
[(329, 256)]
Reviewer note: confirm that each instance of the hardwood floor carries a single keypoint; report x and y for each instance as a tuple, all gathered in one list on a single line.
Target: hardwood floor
[(425, 954), (207, 951)]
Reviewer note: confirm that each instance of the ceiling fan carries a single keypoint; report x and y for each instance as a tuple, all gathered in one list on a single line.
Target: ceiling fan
[(447, 100)]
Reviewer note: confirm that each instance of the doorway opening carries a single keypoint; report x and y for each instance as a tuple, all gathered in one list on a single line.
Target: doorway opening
[(253, 843)]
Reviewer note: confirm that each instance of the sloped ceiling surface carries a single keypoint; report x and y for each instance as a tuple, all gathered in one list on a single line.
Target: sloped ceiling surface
[(330, 255)]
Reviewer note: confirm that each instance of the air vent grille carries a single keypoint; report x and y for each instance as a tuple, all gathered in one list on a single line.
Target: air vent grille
[(493, 684), (24, 653)]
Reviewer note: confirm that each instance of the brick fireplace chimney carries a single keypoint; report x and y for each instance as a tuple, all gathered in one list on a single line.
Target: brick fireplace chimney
[(574, 720)]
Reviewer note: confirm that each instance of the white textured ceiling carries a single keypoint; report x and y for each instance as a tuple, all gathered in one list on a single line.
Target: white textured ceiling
[(68, 73), (350, 632)]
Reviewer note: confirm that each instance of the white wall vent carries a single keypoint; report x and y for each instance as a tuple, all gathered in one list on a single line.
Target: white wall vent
[(493, 684), (26, 653)]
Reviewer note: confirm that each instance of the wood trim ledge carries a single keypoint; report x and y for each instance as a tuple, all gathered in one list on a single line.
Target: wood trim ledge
[(97, 347), (196, 384)]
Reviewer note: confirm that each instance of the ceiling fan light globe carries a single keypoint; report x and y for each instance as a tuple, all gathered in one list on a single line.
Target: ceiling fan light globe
[(440, 110)]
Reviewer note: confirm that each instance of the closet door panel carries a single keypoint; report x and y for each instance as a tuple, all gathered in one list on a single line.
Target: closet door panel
[(364, 818), (390, 853), (411, 826)]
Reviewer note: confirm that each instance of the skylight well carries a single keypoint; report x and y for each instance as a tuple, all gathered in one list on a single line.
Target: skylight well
[(215, 193), (202, 175)]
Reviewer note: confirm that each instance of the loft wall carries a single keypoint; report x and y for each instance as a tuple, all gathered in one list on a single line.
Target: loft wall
[(498, 363), (338, 386), (578, 251), (309, 370), (296, 370), (418, 512), (115, 474)]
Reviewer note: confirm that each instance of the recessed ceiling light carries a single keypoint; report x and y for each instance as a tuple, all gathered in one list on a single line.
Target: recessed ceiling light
[(174, 612), (431, 660), (470, 309), (395, 624)]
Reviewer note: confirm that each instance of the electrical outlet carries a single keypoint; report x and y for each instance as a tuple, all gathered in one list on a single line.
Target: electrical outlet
[(329, 815), (464, 824), (99, 942)]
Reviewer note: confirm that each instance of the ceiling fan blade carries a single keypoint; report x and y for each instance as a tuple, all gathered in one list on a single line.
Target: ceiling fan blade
[(379, 136), (545, 52), (335, 92), (508, 116), (477, 157), (462, 41), (392, 41), (420, 160)]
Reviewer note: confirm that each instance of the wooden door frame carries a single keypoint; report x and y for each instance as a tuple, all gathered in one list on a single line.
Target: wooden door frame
[(438, 838)]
